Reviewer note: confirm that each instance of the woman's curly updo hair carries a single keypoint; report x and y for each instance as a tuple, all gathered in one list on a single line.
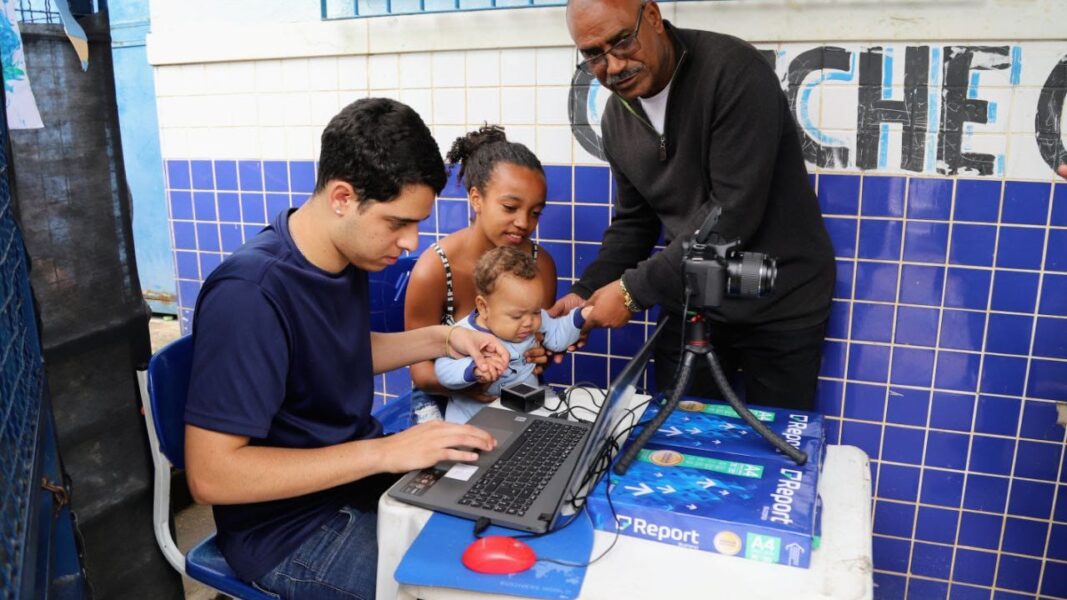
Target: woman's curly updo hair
[(378, 146), (479, 151)]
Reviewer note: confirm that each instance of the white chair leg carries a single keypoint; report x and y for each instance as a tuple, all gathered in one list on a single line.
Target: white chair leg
[(161, 486)]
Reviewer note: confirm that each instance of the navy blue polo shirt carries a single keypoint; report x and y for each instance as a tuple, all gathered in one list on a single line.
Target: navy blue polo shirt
[(282, 355)]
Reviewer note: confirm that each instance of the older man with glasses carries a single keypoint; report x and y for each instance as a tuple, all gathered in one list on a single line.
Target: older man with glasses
[(697, 119)]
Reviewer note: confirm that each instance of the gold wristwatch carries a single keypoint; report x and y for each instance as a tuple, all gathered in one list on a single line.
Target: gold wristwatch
[(627, 299)]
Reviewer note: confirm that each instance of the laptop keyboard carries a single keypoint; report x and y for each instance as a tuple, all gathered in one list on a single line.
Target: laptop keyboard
[(512, 484)]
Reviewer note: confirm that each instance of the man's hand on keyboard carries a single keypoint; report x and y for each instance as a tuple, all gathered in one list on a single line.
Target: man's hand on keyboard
[(427, 444)]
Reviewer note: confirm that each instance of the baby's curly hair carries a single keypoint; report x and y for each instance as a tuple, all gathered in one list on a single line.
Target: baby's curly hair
[(501, 261)]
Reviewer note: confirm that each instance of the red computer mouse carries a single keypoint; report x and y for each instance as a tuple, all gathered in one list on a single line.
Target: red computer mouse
[(498, 555)]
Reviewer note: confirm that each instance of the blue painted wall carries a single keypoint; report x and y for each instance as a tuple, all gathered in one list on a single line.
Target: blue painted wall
[(136, 96)]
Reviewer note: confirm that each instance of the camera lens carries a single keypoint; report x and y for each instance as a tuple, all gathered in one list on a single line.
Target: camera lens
[(750, 274)]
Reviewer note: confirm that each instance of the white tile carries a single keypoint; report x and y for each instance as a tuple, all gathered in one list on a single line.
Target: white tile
[(383, 71), (299, 143), (224, 143), (323, 108), (483, 106), (555, 66), (1037, 59), (449, 69), (245, 141), (183, 111), (269, 76), (322, 73), (174, 142), (167, 111), (1023, 160), (167, 81), (554, 145), (243, 109), (271, 108), (518, 105), (446, 134), (421, 100), (552, 106), (527, 136), (193, 80), (831, 107), (1024, 103), (271, 143), (316, 146), (518, 67), (448, 106), (346, 97), (416, 70), (297, 108), (393, 94), (216, 78), (483, 68), (241, 76), (202, 142), (214, 111), (295, 76), (352, 73)]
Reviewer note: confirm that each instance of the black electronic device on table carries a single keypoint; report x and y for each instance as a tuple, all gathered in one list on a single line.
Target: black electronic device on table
[(522, 397)]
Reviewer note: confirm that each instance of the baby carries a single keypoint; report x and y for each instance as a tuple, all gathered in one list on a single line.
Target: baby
[(508, 305)]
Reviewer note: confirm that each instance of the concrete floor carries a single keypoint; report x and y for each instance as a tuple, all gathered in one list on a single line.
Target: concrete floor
[(194, 523)]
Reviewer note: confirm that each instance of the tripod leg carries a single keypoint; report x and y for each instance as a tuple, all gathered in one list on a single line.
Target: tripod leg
[(724, 386), (685, 371)]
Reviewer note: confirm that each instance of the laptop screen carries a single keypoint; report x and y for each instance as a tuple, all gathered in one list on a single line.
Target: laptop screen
[(616, 402)]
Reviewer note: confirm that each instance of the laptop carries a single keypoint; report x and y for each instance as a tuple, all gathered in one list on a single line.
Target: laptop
[(537, 468)]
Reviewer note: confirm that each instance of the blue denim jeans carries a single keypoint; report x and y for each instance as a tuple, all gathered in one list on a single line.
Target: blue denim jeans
[(340, 561), (427, 407)]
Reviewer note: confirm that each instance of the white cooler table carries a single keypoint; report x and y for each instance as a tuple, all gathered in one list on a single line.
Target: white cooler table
[(636, 568)]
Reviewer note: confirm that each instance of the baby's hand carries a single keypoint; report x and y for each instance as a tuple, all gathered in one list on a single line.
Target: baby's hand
[(487, 375)]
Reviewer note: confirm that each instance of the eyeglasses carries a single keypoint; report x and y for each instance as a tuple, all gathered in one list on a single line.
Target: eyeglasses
[(624, 48)]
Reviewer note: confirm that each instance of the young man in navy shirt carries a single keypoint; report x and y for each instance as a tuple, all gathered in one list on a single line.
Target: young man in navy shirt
[(279, 435)]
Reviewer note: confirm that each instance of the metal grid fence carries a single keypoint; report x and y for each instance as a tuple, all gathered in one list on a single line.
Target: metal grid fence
[(21, 380), (37, 11)]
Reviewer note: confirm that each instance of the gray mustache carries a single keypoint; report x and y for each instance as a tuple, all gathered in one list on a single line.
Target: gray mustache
[(613, 79)]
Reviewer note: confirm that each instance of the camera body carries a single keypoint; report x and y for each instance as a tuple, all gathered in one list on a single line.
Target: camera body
[(713, 271)]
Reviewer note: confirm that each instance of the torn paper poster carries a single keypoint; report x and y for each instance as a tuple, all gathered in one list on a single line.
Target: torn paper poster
[(74, 32), (22, 110)]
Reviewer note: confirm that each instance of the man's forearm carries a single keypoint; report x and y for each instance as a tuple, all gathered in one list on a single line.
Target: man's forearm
[(395, 350), (221, 472)]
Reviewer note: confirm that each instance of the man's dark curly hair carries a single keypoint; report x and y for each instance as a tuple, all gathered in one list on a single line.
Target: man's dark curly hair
[(378, 146), (479, 151)]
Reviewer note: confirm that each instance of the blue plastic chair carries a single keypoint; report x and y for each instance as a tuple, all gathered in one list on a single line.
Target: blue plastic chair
[(165, 388)]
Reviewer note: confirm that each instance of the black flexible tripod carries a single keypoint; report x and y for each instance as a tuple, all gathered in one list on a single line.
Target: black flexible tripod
[(697, 344)]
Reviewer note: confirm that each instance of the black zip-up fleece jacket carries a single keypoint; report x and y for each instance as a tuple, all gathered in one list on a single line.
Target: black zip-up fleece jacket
[(728, 125)]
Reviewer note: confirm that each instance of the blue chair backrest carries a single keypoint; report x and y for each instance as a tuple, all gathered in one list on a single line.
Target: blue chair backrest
[(387, 290), (168, 387)]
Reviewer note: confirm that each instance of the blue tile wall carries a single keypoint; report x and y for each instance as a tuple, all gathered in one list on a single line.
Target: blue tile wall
[(945, 358)]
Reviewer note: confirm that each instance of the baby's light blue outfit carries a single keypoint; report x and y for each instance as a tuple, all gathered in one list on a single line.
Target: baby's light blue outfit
[(458, 373)]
